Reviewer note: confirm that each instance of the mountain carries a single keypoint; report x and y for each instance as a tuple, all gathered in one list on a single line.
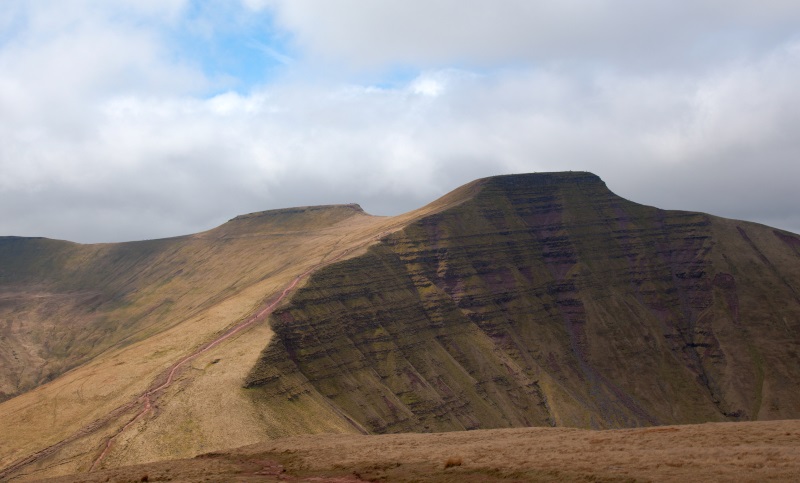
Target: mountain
[(524, 300), (548, 300)]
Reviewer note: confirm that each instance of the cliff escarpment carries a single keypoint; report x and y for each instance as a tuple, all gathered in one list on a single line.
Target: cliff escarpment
[(545, 299)]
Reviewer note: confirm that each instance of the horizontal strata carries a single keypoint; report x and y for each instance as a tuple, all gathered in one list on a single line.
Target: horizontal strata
[(545, 299)]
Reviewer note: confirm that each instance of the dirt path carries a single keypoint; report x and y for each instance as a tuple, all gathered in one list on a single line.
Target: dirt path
[(147, 400)]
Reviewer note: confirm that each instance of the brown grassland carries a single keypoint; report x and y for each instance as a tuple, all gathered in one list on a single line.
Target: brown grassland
[(749, 451), (240, 267)]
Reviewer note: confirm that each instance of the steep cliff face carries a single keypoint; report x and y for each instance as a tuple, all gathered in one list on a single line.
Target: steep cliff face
[(545, 299)]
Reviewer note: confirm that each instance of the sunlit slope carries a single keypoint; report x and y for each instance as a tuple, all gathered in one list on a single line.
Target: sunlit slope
[(547, 300), (203, 284), (63, 303), (228, 274)]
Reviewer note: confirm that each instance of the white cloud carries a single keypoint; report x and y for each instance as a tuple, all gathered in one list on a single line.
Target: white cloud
[(105, 135), (491, 32)]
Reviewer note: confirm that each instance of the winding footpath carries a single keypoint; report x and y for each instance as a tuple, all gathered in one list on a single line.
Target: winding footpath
[(147, 399)]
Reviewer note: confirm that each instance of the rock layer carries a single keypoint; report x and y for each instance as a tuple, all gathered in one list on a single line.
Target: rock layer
[(546, 299)]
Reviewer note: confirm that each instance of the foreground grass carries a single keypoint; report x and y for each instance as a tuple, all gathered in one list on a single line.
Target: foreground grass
[(751, 451)]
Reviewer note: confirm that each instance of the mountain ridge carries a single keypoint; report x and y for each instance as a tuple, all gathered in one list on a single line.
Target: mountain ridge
[(515, 300)]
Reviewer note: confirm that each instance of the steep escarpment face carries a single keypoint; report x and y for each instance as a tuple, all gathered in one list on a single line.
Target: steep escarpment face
[(547, 300)]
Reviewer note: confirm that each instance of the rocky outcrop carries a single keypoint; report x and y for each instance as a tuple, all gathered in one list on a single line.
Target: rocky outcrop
[(545, 299)]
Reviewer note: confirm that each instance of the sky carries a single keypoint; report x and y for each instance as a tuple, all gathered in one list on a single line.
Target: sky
[(134, 119)]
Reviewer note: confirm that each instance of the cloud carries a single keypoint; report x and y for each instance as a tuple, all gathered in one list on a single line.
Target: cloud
[(107, 134), (625, 33)]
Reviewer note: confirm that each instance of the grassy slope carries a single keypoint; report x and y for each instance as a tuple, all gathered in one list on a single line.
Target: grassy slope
[(227, 273), (62, 304)]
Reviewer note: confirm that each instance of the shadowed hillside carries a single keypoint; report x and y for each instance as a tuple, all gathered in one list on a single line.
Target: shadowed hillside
[(548, 300)]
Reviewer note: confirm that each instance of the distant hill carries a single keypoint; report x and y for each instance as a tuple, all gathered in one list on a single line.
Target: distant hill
[(524, 300)]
